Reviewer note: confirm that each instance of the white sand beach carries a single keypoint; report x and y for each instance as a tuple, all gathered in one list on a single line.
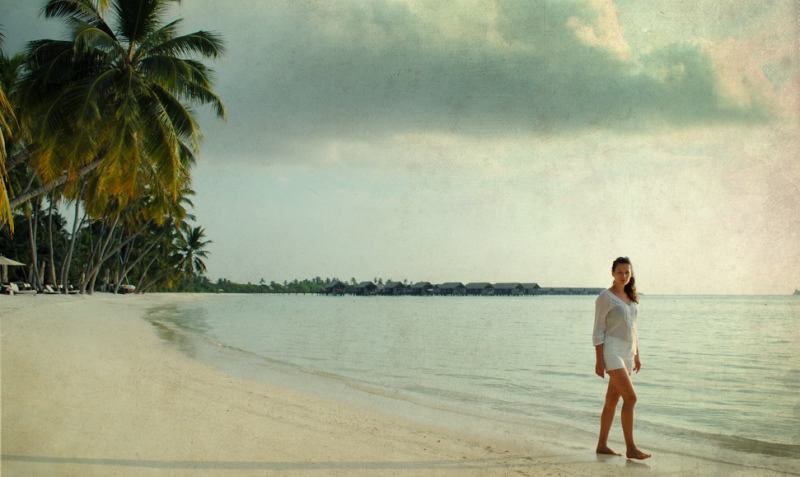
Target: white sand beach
[(88, 388)]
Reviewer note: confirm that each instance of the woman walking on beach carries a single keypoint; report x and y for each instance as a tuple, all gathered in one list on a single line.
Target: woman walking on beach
[(617, 349)]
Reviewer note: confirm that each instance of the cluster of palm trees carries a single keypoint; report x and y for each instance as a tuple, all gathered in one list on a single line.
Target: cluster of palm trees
[(102, 124)]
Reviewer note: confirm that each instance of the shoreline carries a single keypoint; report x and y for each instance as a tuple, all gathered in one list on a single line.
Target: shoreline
[(89, 388)]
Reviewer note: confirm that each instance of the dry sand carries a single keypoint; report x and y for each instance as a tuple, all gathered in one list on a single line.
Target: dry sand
[(88, 388)]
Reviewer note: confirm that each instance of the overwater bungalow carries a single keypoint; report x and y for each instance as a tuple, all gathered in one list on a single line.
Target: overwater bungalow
[(421, 289), (530, 288), (480, 289), (335, 288), (509, 289), (451, 288), (394, 289), (366, 289)]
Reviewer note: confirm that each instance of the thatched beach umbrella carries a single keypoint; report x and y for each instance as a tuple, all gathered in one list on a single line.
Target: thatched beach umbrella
[(4, 264)]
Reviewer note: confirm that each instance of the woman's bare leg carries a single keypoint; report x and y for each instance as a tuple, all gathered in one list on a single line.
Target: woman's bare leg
[(607, 419), (621, 380)]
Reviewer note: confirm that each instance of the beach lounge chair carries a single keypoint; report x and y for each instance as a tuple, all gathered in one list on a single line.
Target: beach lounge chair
[(48, 290), (21, 291)]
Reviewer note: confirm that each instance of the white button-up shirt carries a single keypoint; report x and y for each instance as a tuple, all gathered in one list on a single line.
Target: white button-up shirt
[(615, 323)]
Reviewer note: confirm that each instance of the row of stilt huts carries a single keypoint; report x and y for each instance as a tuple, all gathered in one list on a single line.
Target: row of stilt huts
[(337, 287)]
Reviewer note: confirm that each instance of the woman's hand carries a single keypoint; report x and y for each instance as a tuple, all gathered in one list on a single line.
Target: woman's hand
[(637, 365), (600, 368)]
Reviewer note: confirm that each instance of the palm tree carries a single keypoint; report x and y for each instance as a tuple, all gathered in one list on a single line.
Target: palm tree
[(115, 102), (177, 259), (60, 222), (191, 246)]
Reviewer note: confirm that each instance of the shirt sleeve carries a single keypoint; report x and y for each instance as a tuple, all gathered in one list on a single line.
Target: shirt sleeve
[(636, 338), (601, 308)]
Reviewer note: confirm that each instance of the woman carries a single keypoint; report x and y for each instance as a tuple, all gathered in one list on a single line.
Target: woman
[(617, 348)]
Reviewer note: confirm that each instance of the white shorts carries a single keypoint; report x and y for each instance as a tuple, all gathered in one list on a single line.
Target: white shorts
[(618, 354), (615, 361)]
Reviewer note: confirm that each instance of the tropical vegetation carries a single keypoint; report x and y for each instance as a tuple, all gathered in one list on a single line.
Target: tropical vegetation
[(202, 284), (97, 143)]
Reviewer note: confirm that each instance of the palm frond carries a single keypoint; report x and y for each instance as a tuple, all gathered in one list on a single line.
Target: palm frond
[(81, 9), (78, 10), (185, 79), (5, 205), (188, 159), (205, 43), (50, 63), (164, 34), (178, 116), (136, 18), (7, 116), (87, 37), (161, 146), (204, 95)]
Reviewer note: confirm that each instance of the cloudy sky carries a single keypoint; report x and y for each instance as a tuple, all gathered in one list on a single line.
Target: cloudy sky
[(500, 140)]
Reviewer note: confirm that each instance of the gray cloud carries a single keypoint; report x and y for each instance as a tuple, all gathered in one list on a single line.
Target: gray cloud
[(377, 69)]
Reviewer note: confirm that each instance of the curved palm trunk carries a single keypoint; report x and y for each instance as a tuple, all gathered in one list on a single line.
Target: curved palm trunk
[(50, 241), (138, 259), (46, 188), (140, 283), (124, 261), (33, 223), (155, 280), (92, 267), (92, 273), (75, 227), (19, 158)]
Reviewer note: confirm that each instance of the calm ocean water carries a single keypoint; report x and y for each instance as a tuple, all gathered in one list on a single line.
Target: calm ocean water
[(720, 376)]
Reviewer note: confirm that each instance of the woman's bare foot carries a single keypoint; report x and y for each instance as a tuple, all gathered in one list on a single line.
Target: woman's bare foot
[(637, 454), (606, 450)]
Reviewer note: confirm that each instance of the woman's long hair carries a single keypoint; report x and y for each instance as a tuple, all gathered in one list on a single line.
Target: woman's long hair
[(630, 288)]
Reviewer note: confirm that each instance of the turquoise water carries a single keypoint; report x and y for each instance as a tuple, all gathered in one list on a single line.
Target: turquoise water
[(720, 375)]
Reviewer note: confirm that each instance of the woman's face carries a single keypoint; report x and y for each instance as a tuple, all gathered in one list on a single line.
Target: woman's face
[(622, 274)]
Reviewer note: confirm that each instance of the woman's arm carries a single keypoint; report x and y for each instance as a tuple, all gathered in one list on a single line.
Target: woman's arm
[(601, 307), (600, 361)]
